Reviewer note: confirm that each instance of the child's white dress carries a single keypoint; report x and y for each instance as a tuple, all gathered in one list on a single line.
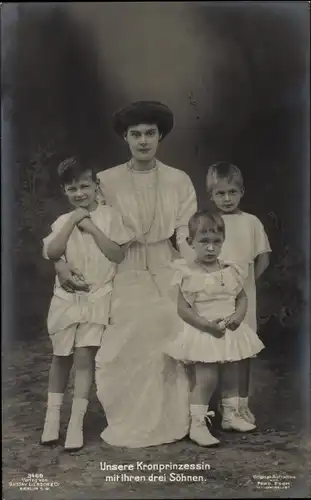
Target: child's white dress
[(213, 296), (245, 240), (78, 319)]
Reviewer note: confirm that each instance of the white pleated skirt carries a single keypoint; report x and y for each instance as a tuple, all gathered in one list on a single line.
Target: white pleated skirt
[(192, 345)]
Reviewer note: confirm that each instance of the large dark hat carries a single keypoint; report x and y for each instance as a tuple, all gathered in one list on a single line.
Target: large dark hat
[(144, 112)]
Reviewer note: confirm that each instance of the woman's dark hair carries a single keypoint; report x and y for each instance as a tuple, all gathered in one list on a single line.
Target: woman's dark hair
[(71, 169), (151, 112)]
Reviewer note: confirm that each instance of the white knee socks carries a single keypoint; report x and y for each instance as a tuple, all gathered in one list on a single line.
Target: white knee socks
[(74, 437), (52, 419)]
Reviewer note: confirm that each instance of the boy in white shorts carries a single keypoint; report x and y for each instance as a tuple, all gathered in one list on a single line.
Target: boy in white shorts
[(90, 239)]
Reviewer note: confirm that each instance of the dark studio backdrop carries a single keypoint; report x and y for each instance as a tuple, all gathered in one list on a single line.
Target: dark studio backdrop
[(236, 77)]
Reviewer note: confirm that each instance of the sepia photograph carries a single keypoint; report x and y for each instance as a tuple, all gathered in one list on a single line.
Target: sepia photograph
[(155, 182)]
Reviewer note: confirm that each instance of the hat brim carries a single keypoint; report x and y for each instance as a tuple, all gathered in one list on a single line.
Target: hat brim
[(143, 112)]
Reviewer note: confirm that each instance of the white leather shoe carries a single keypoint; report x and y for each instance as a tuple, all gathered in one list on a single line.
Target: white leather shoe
[(50, 433), (232, 421), (199, 433), (246, 414), (74, 436)]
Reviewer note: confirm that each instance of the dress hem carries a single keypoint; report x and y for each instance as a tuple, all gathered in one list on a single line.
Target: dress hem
[(198, 359), (146, 444)]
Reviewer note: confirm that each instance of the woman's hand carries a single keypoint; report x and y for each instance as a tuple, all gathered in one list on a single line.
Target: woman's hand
[(70, 278), (127, 245)]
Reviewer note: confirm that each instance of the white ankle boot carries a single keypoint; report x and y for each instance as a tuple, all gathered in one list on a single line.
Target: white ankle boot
[(231, 418), (74, 436), (245, 412), (50, 433), (199, 432)]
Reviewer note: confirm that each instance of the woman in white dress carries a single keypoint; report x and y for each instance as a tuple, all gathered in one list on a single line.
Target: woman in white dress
[(145, 393)]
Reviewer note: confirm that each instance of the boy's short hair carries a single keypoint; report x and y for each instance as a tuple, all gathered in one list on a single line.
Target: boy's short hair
[(223, 170), (71, 169), (207, 221)]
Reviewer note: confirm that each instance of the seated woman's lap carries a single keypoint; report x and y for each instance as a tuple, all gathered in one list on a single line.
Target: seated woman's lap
[(130, 365)]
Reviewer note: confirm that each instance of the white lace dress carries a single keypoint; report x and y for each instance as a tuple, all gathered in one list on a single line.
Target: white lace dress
[(143, 392), (212, 296)]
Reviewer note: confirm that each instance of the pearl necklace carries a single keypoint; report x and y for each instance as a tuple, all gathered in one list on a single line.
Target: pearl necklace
[(137, 170)]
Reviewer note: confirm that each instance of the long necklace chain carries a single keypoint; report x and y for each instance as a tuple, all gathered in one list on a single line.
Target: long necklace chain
[(144, 233), (222, 283), (131, 169)]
